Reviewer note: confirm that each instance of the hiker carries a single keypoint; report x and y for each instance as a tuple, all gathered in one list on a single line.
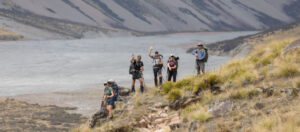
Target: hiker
[(201, 58), (108, 98), (137, 72), (115, 88), (172, 67), (157, 66)]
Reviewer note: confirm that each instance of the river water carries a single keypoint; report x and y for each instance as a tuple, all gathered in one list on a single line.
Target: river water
[(30, 67)]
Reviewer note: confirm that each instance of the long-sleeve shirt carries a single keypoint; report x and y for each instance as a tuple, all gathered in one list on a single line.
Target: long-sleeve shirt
[(201, 53)]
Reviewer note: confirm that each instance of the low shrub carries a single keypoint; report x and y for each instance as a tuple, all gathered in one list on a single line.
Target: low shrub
[(174, 94)]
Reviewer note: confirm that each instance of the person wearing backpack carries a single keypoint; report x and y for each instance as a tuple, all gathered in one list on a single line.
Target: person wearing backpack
[(108, 98), (115, 87), (172, 67), (137, 72), (157, 66), (201, 58)]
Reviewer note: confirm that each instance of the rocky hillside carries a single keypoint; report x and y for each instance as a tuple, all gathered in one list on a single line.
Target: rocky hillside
[(256, 93), (151, 15)]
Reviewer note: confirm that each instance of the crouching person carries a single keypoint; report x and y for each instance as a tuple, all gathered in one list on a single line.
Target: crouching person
[(108, 98)]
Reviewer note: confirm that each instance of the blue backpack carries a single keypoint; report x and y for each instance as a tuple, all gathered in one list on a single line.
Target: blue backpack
[(116, 92)]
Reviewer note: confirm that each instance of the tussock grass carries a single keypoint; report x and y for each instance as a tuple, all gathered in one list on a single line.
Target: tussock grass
[(196, 112), (288, 70), (174, 94), (166, 87), (184, 82), (243, 93), (200, 115)]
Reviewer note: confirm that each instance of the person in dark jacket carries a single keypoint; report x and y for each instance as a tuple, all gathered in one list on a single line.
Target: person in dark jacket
[(138, 72)]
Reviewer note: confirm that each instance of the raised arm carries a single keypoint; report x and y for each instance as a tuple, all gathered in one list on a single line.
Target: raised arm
[(149, 52), (132, 59)]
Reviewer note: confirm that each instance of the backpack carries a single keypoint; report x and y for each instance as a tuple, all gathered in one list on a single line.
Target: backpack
[(131, 68), (206, 55), (115, 88)]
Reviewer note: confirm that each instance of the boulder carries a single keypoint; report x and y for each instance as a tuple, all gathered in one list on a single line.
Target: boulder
[(102, 113), (220, 107), (124, 91), (183, 102)]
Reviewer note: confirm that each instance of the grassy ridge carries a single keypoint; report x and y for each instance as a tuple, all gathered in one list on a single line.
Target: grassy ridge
[(7, 35)]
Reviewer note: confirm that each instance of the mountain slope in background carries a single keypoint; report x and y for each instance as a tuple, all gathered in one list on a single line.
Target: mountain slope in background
[(151, 15)]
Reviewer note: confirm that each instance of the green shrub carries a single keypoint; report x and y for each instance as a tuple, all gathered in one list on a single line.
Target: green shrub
[(174, 94), (183, 82), (202, 116), (166, 87), (288, 71)]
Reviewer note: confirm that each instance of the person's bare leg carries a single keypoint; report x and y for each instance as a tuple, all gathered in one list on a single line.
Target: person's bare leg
[(109, 109), (141, 85), (133, 86)]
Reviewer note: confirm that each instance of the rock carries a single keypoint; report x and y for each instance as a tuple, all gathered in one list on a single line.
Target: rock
[(175, 126), (159, 121), (268, 91), (181, 103), (102, 113), (193, 126), (158, 105), (143, 123), (124, 91), (259, 106), (163, 115), (175, 105), (291, 93), (220, 107), (152, 109), (166, 109), (291, 47)]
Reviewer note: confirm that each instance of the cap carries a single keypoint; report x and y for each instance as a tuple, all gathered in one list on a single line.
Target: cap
[(105, 83), (111, 80), (172, 55), (139, 56)]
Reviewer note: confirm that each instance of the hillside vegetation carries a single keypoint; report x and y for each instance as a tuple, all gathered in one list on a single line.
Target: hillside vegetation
[(258, 92), (7, 35)]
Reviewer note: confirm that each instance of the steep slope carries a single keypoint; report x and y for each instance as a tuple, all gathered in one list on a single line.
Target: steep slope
[(256, 93), (167, 15)]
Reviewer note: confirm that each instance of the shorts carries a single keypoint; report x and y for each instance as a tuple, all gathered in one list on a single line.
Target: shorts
[(137, 75), (200, 65), (110, 101), (157, 70)]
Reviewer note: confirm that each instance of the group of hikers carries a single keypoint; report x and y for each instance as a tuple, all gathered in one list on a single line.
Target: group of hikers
[(136, 69)]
